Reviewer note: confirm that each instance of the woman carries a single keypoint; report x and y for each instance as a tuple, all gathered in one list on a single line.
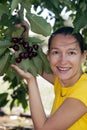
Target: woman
[(65, 54)]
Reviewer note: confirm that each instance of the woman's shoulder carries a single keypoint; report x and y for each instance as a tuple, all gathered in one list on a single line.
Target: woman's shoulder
[(83, 80), (79, 91)]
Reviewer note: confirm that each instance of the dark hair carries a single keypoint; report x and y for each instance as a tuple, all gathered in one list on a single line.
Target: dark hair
[(68, 31)]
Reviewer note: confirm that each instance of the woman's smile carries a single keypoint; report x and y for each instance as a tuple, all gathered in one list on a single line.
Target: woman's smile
[(63, 69)]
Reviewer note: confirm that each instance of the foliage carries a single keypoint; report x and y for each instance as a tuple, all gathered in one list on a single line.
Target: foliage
[(13, 12), (77, 9)]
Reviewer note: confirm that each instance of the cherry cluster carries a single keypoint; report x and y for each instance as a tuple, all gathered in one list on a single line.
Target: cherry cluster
[(29, 51)]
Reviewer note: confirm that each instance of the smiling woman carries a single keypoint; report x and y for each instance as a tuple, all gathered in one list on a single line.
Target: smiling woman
[(69, 112), (65, 58)]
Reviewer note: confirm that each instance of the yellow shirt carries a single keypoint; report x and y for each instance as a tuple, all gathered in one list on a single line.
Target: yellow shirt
[(78, 91)]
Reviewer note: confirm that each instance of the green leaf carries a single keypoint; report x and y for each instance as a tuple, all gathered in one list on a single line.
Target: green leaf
[(39, 24), (2, 51), (54, 3), (5, 43), (46, 65), (4, 20), (21, 96), (4, 63), (38, 64), (28, 65), (26, 4), (12, 104), (35, 40), (83, 6), (17, 32), (80, 20), (3, 99), (9, 21), (3, 1), (3, 9)]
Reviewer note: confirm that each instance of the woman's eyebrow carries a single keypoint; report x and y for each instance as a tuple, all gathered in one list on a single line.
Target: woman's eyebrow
[(54, 49), (69, 49), (72, 49)]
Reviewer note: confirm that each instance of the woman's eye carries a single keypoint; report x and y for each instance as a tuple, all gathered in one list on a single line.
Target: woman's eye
[(72, 53), (54, 52)]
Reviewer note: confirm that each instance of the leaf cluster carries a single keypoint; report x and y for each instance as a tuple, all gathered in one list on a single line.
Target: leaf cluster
[(13, 14)]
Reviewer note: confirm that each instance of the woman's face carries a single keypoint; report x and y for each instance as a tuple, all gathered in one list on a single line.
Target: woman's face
[(65, 57)]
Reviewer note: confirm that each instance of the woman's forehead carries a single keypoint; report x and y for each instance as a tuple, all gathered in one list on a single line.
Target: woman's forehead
[(64, 40)]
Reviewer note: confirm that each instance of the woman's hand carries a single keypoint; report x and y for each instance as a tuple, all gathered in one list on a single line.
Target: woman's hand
[(26, 75), (25, 25)]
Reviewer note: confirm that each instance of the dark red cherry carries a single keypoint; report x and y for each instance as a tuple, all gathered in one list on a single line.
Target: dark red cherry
[(15, 47), (14, 39), (25, 45), (30, 55), (22, 55), (21, 41), (18, 60), (29, 49), (36, 46), (26, 55), (34, 54)]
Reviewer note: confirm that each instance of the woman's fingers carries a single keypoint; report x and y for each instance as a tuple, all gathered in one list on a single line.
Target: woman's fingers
[(25, 75), (25, 25), (18, 69)]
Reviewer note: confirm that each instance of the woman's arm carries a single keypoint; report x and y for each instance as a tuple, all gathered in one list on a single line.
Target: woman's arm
[(36, 106), (68, 113)]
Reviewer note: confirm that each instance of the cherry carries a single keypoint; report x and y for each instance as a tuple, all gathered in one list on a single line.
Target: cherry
[(26, 55), (34, 54), (29, 49), (15, 40), (36, 46), (22, 55), (18, 60), (25, 45), (30, 55), (21, 41), (15, 47)]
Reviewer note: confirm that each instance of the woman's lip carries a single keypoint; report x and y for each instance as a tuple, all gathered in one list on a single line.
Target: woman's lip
[(63, 68)]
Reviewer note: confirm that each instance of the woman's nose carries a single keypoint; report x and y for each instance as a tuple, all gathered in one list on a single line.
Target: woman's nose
[(63, 59)]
